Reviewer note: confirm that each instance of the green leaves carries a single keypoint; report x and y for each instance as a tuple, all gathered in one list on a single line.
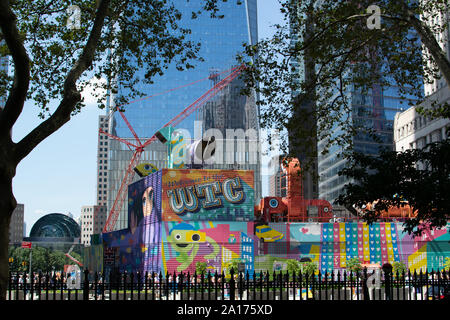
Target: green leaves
[(324, 54), (136, 35), (353, 265), (43, 259), (420, 177)]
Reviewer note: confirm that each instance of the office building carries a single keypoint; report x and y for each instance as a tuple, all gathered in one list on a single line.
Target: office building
[(102, 162), (411, 129), (414, 131), (234, 121), (16, 226), (303, 136), (436, 21), (221, 40), (92, 221), (377, 110), (277, 185)]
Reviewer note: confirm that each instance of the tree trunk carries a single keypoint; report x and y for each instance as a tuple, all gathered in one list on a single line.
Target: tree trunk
[(7, 205)]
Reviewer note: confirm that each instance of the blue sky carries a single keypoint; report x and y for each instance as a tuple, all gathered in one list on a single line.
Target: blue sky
[(60, 174)]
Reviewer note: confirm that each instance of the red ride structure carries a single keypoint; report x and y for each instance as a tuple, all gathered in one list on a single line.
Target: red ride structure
[(139, 146), (293, 207)]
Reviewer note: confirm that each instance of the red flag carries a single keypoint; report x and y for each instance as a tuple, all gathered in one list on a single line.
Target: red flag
[(26, 244)]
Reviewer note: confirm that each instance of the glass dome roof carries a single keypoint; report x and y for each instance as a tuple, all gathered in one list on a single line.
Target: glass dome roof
[(55, 225)]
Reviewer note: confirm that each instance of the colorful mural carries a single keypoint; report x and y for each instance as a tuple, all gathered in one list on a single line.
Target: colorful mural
[(207, 195), (93, 258), (330, 245), (180, 217), (217, 244)]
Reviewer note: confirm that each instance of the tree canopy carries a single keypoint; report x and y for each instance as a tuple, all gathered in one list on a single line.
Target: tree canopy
[(331, 62), (56, 52), (419, 178), (43, 259), (324, 53)]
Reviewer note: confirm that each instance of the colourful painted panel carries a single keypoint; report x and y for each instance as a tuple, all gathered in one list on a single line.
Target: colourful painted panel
[(377, 243), (170, 246), (207, 195), (93, 258), (184, 244), (144, 200)]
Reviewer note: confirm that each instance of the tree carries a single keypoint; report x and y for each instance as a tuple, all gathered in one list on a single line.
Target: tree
[(308, 268), (293, 266), (53, 61), (200, 267), (419, 178), (43, 259), (354, 265), (399, 268), (325, 49), (233, 264)]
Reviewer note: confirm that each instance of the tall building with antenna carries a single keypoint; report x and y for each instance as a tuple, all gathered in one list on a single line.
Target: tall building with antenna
[(221, 40)]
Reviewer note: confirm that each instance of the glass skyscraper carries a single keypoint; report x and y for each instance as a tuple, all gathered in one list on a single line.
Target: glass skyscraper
[(221, 40), (374, 110)]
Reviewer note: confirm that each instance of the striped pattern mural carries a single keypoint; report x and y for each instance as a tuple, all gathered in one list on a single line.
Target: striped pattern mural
[(377, 243)]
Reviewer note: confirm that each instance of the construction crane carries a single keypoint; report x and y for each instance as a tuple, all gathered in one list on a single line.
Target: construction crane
[(72, 258), (139, 146)]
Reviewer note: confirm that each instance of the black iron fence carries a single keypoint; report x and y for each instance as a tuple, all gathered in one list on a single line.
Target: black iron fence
[(340, 285)]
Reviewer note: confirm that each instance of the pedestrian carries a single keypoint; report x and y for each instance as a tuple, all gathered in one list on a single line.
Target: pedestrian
[(100, 288)]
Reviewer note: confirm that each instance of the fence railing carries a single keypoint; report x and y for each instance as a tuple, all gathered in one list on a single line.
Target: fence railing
[(339, 285)]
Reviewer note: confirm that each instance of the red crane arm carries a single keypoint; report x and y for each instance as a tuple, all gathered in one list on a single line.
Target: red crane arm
[(131, 128), (115, 210), (128, 143), (199, 102)]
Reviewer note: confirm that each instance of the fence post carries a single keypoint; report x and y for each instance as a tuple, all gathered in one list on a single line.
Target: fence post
[(232, 285), (387, 268), (364, 285), (86, 285), (293, 284)]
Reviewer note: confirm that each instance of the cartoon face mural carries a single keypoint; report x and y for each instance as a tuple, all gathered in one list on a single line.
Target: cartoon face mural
[(138, 246), (217, 244), (185, 240), (144, 201)]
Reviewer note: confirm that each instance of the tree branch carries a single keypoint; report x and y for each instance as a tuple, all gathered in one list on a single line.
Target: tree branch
[(71, 96), (429, 40), (16, 98)]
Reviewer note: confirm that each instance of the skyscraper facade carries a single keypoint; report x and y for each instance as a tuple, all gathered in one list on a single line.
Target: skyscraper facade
[(303, 146), (221, 40), (16, 226), (232, 119), (376, 110)]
